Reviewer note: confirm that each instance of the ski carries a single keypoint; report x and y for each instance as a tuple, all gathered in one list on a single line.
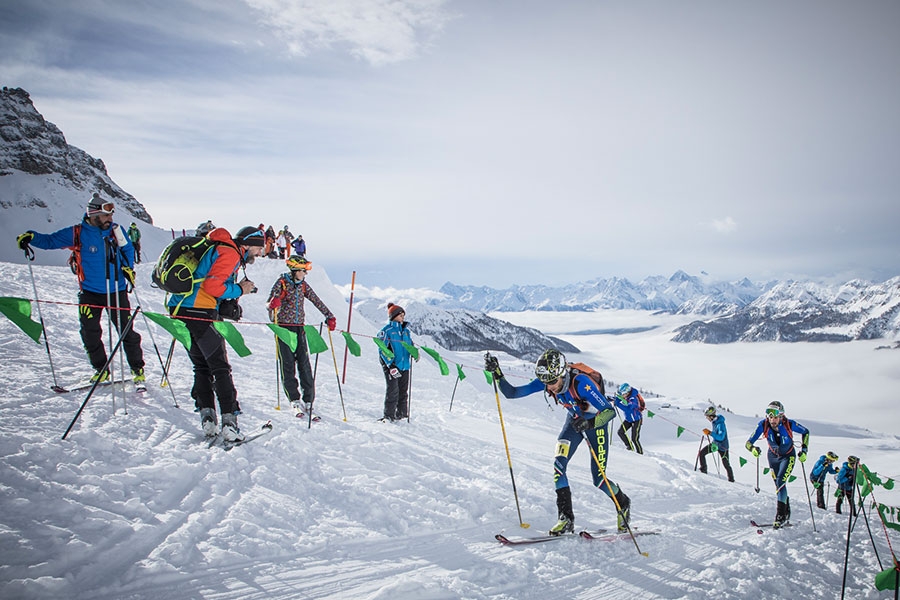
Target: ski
[(539, 539), (588, 535), (761, 526), (263, 430), (86, 386), (302, 415)]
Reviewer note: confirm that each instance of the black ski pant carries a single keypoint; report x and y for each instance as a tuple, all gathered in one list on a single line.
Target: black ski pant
[(848, 494), (635, 442), (296, 363), (91, 305), (820, 496), (212, 371), (396, 397), (725, 462)]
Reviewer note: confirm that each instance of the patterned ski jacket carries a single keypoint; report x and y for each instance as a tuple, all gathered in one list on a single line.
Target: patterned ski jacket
[(392, 334), (91, 253), (286, 301), (215, 275), (582, 398), (781, 438)]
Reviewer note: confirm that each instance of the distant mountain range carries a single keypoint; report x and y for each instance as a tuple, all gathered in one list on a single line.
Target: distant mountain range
[(741, 311)]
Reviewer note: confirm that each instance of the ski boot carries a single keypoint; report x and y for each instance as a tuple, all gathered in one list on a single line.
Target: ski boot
[(138, 376), (623, 517), (208, 422), (780, 516), (100, 376), (230, 430), (566, 519)]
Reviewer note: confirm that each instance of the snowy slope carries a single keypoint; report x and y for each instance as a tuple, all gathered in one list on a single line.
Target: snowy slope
[(135, 506)]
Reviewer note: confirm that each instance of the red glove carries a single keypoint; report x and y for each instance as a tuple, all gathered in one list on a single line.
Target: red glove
[(275, 303), (332, 323)]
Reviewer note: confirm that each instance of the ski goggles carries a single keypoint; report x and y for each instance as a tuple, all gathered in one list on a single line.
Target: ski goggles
[(107, 208), (773, 412)]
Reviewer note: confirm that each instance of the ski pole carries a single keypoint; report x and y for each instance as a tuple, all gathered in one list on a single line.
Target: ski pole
[(349, 316), (109, 360), (808, 500), (55, 387), (165, 376), (109, 329), (277, 373), (337, 375), (756, 489), (697, 459), (453, 395), (409, 392), (165, 367), (522, 523), (118, 321), (611, 495)]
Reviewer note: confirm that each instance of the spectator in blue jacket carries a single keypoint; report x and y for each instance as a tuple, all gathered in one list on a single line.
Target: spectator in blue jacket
[(396, 367), (779, 433), (823, 467), (103, 259), (719, 436), (631, 403), (589, 411), (846, 480)]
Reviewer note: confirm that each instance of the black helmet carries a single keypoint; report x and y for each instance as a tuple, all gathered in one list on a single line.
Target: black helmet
[(250, 236), (710, 412), (550, 366)]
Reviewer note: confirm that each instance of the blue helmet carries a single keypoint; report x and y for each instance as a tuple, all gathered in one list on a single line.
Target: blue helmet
[(624, 390)]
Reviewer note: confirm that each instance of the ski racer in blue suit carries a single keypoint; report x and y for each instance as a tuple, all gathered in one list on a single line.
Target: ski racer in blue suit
[(823, 467), (588, 413), (719, 436), (779, 432), (103, 260), (629, 400)]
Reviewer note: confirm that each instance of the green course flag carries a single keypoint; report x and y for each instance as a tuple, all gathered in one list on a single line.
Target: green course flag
[(18, 310), (650, 413), (742, 460), (459, 372), (177, 329), (886, 580), (314, 340), (488, 377), (445, 370), (792, 478), (890, 516), (285, 335), (889, 484), (413, 351), (233, 337), (352, 345), (384, 349), (680, 431), (765, 470)]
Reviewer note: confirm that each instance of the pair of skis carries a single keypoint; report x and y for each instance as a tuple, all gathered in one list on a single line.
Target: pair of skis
[(761, 526), (80, 387), (600, 535)]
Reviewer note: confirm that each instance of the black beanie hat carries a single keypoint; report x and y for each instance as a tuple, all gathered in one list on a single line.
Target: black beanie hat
[(250, 236), (394, 310)]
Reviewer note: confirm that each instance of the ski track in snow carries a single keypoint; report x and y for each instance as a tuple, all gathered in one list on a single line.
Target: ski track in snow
[(135, 505)]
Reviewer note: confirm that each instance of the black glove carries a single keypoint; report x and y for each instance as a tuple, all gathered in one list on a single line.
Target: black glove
[(24, 239), (599, 420), (231, 310), (492, 366)]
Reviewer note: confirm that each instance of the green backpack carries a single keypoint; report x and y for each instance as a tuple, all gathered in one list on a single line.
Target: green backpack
[(174, 270)]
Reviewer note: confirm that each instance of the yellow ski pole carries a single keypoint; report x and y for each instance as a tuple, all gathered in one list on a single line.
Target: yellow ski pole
[(522, 524)]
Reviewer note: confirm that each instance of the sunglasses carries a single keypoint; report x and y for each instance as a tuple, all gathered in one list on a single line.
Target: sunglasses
[(107, 208)]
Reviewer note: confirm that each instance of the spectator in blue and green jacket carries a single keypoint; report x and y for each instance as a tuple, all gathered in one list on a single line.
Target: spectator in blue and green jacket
[(719, 443), (823, 467)]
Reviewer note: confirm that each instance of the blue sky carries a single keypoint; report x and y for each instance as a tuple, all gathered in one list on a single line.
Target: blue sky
[(493, 143)]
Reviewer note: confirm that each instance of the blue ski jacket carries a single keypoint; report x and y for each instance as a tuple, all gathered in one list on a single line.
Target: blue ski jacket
[(631, 408), (781, 438), (582, 398), (392, 334), (92, 249), (845, 478), (719, 433), (821, 469)]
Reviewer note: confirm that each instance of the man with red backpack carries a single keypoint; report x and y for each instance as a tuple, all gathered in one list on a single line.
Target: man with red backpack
[(103, 260), (286, 308), (779, 433), (588, 413)]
